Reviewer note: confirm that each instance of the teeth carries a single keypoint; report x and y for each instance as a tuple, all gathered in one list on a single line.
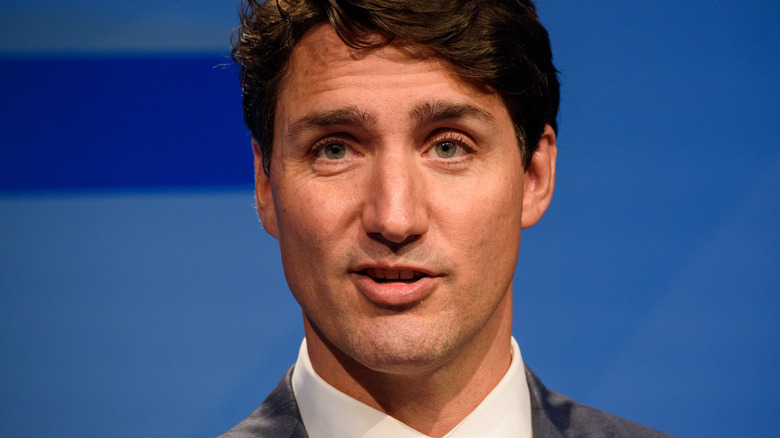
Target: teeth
[(392, 274)]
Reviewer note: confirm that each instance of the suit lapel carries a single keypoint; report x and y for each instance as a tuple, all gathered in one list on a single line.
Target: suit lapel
[(544, 425)]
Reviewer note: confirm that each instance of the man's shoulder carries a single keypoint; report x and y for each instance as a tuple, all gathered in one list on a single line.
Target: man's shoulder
[(277, 417), (555, 415)]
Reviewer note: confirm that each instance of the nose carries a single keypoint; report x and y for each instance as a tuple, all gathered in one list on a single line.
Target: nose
[(396, 206)]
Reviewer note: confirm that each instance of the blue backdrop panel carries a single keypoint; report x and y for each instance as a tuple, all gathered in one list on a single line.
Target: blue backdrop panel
[(112, 122)]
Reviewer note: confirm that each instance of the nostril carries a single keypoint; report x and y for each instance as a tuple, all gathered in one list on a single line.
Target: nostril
[(394, 246)]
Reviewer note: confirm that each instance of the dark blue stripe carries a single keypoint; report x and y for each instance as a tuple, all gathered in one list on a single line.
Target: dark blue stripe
[(132, 122)]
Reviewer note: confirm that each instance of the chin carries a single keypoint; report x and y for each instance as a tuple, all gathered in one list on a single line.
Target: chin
[(403, 351)]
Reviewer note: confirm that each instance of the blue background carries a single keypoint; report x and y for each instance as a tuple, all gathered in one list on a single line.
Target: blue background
[(139, 295)]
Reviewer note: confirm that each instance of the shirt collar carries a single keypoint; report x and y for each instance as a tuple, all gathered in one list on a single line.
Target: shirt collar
[(328, 412)]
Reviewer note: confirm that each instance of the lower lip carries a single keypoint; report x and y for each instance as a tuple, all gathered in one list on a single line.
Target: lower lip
[(394, 293)]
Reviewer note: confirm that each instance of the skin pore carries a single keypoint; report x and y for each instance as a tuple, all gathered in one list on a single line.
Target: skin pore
[(397, 193)]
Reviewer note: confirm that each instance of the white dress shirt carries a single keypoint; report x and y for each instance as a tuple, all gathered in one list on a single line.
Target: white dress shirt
[(329, 413)]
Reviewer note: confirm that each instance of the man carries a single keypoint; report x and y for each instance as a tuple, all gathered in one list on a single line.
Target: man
[(400, 147)]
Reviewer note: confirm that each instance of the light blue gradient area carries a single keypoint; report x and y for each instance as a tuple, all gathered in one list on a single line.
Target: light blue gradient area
[(95, 26), (128, 315), (651, 287)]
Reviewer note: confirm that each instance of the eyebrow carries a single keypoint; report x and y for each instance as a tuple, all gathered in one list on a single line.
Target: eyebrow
[(421, 115), (436, 111), (347, 116)]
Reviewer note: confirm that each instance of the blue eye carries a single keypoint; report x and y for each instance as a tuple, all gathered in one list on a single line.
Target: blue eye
[(335, 151), (446, 149)]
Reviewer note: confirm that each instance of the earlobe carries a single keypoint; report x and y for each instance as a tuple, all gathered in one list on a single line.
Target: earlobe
[(540, 179), (264, 194)]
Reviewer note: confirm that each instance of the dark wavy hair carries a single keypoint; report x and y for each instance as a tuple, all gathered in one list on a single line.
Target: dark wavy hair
[(490, 43)]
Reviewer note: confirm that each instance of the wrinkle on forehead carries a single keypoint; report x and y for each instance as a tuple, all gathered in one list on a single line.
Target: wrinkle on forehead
[(322, 45)]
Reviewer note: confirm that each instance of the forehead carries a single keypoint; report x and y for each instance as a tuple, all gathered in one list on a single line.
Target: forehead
[(321, 47), (324, 71)]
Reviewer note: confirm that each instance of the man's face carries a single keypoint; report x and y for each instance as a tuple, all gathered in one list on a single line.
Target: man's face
[(396, 192)]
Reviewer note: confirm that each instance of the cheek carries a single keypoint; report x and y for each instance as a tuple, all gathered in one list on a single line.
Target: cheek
[(313, 222), (490, 207), (484, 225), (303, 208)]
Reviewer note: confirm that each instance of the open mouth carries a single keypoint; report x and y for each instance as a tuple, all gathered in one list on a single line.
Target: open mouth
[(381, 275)]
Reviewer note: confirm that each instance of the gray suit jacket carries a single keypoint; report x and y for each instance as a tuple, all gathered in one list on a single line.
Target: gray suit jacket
[(554, 416)]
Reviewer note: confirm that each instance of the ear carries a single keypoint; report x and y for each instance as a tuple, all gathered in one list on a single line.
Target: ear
[(264, 194), (539, 179)]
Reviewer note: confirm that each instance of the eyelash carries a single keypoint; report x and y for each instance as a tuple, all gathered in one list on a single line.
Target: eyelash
[(321, 144), (450, 136)]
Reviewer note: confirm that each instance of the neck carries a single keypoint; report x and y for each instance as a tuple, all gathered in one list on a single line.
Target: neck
[(434, 398)]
